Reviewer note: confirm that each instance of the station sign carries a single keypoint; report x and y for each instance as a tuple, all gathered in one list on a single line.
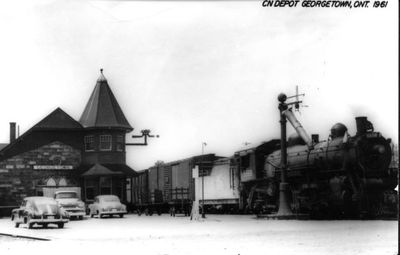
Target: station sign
[(53, 167)]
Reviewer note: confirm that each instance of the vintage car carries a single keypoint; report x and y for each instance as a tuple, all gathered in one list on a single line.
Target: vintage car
[(70, 202), (107, 205), (39, 210)]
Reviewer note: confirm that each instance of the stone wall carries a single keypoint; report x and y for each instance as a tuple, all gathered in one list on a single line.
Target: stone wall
[(24, 174)]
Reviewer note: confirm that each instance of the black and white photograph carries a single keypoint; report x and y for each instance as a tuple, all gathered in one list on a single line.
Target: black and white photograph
[(226, 127)]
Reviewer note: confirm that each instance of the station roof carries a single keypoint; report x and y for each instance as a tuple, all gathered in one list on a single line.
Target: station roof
[(107, 169), (102, 110), (58, 119)]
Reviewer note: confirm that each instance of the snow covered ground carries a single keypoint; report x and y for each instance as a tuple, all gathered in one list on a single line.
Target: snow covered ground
[(217, 234)]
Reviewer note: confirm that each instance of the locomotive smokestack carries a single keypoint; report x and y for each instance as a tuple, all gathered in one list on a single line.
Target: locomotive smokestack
[(363, 125), (12, 131)]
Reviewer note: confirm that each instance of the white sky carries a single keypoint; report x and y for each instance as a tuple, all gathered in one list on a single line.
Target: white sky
[(199, 71)]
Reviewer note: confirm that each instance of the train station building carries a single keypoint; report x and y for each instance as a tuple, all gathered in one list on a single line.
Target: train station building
[(60, 151)]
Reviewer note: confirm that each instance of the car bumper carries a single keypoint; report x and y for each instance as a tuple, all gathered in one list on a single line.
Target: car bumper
[(48, 220), (112, 212), (76, 213)]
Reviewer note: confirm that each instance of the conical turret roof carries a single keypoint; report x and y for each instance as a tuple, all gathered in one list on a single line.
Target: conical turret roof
[(102, 110)]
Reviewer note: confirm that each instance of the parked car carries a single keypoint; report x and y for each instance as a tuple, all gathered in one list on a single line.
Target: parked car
[(39, 210), (70, 202), (107, 205)]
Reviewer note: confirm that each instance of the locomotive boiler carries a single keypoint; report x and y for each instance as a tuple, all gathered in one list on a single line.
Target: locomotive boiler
[(344, 176)]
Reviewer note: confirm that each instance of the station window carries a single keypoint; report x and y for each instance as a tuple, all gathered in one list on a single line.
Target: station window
[(105, 142), (120, 143), (89, 143), (105, 185)]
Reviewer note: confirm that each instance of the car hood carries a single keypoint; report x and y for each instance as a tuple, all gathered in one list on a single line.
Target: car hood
[(111, 204), (67, 201)]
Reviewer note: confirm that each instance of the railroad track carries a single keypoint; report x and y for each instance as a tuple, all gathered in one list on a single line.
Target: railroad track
[(25, 237)]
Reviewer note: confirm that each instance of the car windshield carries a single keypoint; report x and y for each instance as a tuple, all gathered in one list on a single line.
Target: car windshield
[(67, 195), (109, 199)]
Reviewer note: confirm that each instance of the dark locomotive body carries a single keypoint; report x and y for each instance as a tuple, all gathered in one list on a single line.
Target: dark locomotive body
[(341, 177)]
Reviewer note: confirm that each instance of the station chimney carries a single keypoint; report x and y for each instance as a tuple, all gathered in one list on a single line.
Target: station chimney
[(12, 132)]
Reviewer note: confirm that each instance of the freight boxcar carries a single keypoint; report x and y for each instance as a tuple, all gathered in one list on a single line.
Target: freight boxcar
[(167, 187), (137, 190)]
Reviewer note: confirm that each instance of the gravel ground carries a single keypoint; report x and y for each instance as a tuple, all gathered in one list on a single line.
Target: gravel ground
[(217, 234)]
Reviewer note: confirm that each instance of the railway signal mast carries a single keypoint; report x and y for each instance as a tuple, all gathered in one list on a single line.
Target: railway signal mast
[(145, 134), (285, 111)]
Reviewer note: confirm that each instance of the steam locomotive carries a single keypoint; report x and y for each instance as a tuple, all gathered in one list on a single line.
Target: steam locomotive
[(342, 176)]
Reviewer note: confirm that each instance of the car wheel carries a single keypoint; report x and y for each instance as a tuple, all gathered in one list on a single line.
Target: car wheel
[(30, 225), (16, 224), (121, 215), (45, 225), (60, 225), (80, 217)]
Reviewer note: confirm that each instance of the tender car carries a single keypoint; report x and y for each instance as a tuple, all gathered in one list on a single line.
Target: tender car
[(39, 210), (107, 205), (70, 202)]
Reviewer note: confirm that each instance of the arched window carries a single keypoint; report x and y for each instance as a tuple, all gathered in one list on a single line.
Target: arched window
[(51, 182), (62, 182)]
